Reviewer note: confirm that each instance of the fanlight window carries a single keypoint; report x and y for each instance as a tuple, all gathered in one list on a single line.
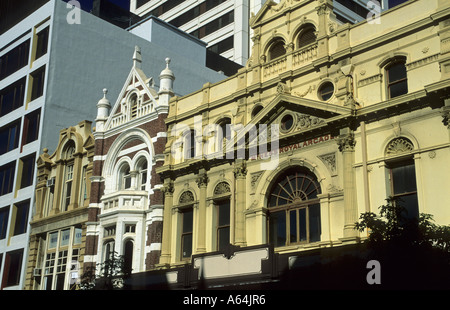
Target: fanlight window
[(294, 209)]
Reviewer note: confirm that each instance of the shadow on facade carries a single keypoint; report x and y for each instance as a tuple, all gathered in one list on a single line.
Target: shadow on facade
[(336, 268)]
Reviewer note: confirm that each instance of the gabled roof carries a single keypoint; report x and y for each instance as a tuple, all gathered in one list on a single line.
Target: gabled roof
[(269, 8), (313, 117), (136, 81)]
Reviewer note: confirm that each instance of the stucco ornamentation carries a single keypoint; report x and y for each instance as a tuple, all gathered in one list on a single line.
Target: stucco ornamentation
[(399, 146)]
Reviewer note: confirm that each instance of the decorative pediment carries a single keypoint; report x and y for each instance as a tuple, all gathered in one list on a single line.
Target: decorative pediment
[(137, 98), (269, 9), (292, 115)]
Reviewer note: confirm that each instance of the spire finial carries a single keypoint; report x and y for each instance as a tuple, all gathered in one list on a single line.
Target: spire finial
[(137, 58)]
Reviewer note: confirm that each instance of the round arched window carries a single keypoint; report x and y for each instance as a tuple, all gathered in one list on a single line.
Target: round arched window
[(294, 208), (277, 50), (326, 90)]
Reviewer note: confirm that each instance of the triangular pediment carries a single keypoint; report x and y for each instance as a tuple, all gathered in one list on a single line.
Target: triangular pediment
[(128, 107), (293, 117), (271, 9)]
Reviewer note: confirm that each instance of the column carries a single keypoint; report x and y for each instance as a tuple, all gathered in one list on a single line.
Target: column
[(240, 172), (167, 189), (346, 142), (202, 182)]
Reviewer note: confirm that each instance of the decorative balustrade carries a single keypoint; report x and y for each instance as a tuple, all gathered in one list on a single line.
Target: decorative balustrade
[(295, 59), (125, 200), (274, 67), (304, 55)]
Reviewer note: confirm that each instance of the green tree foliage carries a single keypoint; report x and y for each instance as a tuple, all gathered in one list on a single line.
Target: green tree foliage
[(393, 226), (414, 252), (111, 275)]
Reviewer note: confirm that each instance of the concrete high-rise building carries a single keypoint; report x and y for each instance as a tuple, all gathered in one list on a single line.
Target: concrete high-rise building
[(54, 64), (224, 24)]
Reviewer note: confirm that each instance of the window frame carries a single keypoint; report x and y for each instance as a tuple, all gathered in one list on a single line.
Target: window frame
[(296, 205), (11, 133), (403, 162), (392, 63)]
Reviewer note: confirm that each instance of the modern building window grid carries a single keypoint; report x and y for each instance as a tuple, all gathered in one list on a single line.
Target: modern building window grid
[(20, 83)]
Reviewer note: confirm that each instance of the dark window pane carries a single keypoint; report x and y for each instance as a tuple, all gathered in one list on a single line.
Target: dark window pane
[(12, 97), (277, 50), (223, 237), (38, 78), (27, 171), (4, 215), (398, 89), (293, 225), (21, 222), (314, 223), (14, 60), (186, 243), (302, 223), (42, 42), (404, 179), (31, 126), (306, 37), (187, 221), (128, 256), (326, 91), (396, 78), (277, 228), (13, 267), (7, 178), (9, 137), (224, 213)]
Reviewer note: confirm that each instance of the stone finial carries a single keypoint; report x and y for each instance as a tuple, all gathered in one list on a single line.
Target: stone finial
[(137, 57)]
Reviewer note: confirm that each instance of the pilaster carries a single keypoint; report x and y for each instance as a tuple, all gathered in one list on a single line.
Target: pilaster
[(346, 142), (240, 174)]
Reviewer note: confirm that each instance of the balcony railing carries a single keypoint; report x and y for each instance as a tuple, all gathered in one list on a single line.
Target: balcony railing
[(125, 200), (292, 60)]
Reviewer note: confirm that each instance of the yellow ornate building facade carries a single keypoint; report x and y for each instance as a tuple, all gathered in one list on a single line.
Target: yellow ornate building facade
[(58, 227), (324, 123)]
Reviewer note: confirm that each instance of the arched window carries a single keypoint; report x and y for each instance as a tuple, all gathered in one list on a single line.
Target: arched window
[(396, 80), (125, 177), (222, 194), (133, 105), (68, 152), (306, 36), (189, 145), (187, 222), (402, 175), (294, 209), (128, 256), (143, 173), (256, 110), (277, 49), (225, 128)]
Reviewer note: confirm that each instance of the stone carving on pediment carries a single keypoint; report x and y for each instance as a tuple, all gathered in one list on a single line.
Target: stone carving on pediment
[(330, 161)]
